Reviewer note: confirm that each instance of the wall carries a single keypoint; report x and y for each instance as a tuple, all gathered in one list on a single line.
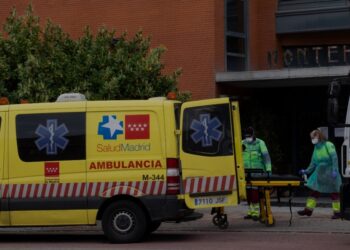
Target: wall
[(192, 31), (263, 38)]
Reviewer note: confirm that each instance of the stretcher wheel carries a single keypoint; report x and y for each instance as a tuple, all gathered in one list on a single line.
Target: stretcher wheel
[(223, 225), (220, 220), (216, 220)]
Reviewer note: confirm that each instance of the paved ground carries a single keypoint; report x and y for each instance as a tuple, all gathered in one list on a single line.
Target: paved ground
[(319, 222), (316, 232), (186, 240)]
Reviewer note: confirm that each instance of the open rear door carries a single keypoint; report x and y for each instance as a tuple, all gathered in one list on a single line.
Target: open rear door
[(345, 165), (207, 154), (345, 201), (237, 140)]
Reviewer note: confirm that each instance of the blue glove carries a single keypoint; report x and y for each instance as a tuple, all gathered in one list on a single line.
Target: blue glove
[(334, 174), (302, 172)]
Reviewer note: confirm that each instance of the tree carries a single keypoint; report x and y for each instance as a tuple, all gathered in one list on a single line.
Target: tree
[(39, 63)]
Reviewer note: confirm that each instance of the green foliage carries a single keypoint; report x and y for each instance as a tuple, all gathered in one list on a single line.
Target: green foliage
[(39, 63), (184, 96)]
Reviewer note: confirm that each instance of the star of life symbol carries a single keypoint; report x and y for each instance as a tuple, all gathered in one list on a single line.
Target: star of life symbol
[(51, 137), (206, 130), (110, 127)]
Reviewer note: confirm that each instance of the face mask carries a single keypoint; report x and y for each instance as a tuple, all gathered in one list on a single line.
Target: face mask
[(314, 141), (249, 139)]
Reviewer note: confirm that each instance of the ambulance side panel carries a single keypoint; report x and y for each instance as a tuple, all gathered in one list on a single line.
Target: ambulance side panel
[(126, 155), (4, 213), (47, 167)]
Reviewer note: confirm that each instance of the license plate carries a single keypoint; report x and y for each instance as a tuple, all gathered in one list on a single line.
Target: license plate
[(202, 201)]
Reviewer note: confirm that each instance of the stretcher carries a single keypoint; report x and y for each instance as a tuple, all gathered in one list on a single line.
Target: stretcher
[(264, 183)]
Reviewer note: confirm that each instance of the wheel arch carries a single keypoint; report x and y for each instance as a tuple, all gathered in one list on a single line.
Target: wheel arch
[(115, 198)]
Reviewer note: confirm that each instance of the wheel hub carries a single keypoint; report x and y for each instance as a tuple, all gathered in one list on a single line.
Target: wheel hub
[(123, 222)]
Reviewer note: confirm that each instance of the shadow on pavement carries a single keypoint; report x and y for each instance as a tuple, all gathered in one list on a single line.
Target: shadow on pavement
[(50, 238), (88, 238)]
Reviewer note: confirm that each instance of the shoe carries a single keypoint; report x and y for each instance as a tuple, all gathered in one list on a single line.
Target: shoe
[(247, 217), (306, 211), (336, 216)]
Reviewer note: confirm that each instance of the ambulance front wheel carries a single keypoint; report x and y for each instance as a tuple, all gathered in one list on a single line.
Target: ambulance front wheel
[(123, 222)]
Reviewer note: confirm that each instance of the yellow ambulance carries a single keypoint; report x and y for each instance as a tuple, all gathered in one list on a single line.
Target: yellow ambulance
[(129, 164)]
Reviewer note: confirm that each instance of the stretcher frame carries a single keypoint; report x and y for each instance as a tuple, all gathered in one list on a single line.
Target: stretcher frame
[(264, 187)]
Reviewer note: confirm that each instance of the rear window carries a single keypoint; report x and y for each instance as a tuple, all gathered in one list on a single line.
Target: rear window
[(207, 130), (50, 137)]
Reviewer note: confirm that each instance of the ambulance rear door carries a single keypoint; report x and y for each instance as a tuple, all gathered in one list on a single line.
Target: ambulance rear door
[(207, 158)]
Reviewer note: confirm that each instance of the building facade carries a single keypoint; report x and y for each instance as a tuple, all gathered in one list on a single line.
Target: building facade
[(186, 28), (276, 56)]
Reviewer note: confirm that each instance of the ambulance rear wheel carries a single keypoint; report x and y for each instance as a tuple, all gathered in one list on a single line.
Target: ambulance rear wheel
[(123, 222)]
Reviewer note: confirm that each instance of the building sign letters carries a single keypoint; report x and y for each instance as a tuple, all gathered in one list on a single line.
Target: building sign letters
[(316, 56)]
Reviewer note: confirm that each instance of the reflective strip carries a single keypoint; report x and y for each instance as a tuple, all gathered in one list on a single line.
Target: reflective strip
[(141, 187), (40, 189), (228, 182), (23, 191), (209, 184), (17, 190), (336, 206), (136, 190), (156, 188), (63, 190), (204, 184), (60, 190), (47, 190), (218, 186), (55, 190), (311, 203), (255, 209), (94, 187), (147, 191), (108, 194)]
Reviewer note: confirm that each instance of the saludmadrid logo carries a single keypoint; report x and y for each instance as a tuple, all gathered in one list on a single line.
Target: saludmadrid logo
[(123, 147)]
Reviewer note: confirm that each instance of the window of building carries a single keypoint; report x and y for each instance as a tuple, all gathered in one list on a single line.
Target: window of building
[(51, 137), (207, 130), (236, 55)]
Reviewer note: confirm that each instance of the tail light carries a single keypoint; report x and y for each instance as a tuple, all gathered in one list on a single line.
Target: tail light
[(173, 176)]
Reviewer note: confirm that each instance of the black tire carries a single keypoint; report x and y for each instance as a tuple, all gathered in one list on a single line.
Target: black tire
[(153, 226), (124, 222), (216, 220)]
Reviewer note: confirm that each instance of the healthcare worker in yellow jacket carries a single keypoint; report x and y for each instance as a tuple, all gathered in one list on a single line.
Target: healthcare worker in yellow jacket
[(256, 159)]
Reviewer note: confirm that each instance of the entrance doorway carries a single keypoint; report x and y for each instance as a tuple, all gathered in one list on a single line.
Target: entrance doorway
[(284, 117)]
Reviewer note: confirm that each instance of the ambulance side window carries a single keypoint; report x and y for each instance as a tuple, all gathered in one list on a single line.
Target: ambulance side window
[(51, 136), (207, 130)]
